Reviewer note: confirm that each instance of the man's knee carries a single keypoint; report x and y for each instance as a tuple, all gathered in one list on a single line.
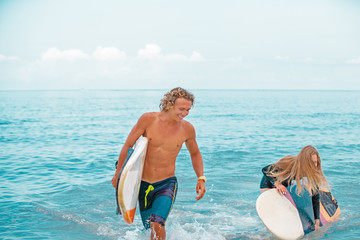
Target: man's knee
[(157, 219), (157, 231)]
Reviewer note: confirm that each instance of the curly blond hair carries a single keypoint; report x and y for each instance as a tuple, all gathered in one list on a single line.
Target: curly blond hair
[(171, 96)]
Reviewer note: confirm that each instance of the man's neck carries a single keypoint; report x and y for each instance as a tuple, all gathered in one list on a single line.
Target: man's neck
[(166, 117)]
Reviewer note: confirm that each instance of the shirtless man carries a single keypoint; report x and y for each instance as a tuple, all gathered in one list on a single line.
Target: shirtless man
[(166, 131)]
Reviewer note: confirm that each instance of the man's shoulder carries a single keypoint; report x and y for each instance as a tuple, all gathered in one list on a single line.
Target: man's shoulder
[(150, 114), (188, 126), (149, 117)]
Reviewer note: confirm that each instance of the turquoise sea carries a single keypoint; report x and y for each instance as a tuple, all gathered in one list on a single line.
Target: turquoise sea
[(58, 150)]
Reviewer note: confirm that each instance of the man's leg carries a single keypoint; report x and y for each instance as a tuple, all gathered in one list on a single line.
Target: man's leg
[(145, 217), (145, 210), (160, 211), (157, 231)]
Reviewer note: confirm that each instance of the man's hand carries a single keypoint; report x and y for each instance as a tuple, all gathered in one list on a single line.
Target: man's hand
[(200, 189), (115, 179)]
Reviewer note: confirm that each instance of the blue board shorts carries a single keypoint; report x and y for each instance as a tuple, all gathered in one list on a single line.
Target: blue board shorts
[(156, 200)]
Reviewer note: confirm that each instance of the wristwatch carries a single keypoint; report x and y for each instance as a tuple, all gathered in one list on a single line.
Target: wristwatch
[(202, 178)]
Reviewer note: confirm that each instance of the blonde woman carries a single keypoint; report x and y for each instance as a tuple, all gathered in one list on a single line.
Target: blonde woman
[(303, 168)]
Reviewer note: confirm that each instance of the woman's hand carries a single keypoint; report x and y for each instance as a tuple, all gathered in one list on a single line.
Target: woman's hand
[(280, 188), (317, 224)]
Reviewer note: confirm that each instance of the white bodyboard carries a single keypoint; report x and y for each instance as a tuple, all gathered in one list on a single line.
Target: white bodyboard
[(130, 179), (279, 215)]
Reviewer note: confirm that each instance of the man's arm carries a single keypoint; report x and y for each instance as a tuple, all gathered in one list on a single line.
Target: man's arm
[(136, 132), (197, 162)]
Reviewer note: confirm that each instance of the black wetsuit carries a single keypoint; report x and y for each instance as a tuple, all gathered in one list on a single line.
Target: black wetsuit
[(268, 182)]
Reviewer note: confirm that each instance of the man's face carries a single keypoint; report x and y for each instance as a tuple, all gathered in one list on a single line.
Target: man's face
[(181, 108)]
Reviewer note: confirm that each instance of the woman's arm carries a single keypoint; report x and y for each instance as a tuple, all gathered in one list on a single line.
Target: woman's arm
[(316, 207), (269, 178)]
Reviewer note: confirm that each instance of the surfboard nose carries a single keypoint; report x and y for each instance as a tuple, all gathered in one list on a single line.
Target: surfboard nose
[(129, 216)]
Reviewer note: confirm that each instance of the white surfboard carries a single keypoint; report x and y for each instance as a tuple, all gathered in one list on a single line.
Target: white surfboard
[(130, 179), (279, 215)]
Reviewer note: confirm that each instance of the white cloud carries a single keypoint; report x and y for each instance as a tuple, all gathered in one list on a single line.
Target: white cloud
[(101, 54), (109, 53), (196, 56), (281, 58), (105, 67), (153, 51), (354, 61), (8, 58), (53, 54)]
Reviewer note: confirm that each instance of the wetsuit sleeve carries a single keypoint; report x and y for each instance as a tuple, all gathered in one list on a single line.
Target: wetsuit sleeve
[(269, 178), (316, 205)]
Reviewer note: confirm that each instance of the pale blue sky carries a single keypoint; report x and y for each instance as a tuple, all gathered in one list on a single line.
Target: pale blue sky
[(242, 44)]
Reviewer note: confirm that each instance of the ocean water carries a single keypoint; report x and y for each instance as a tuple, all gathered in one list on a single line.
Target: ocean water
[(58, 150)]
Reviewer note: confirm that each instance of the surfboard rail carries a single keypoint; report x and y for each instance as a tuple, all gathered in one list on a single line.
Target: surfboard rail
[(127, 190)]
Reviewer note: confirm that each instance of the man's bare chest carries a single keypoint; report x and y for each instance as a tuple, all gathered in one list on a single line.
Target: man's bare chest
[(166, 137)]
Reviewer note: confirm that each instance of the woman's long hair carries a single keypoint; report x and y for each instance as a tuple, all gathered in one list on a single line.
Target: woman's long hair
[(300, 167)]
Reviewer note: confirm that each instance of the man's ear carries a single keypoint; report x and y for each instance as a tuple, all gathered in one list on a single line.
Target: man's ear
[(169, 106)]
